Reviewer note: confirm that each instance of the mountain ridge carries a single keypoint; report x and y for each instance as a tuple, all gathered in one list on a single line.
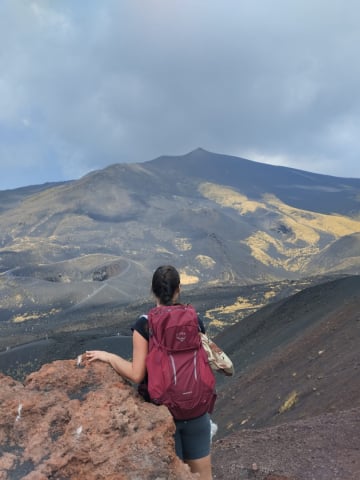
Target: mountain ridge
[(219, 219)]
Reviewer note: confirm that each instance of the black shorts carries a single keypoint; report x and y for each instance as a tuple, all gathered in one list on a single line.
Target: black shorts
[(193, 438)]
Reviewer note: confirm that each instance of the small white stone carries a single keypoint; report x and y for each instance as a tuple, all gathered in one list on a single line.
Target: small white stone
[(19, 412)]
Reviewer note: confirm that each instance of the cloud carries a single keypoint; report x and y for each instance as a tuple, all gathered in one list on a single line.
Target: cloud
[(83, 86)]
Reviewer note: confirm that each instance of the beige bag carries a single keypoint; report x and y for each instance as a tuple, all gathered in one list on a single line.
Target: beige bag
[(218, 360)]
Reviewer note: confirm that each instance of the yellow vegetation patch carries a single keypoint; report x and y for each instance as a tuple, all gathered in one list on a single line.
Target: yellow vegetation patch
[(271, 251), (24, 318), (217, 324), (239, 305), (33, 316), (182, 244), (187, 279), (228, 197), (205, 261), (28, 243), (270, 294), (305, 229), (259, 243), (290, 401), (337, 225)]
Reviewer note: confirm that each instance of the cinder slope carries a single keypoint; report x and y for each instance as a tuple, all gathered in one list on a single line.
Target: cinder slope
[(294, 359), (325, 447), (293, 406)]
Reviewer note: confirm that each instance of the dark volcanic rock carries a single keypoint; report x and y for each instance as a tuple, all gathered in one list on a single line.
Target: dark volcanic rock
[(107, 271)]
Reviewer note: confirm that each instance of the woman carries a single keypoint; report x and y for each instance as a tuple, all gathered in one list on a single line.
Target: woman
[(192, 437)]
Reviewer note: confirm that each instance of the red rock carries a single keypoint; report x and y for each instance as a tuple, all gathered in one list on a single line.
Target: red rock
[(83, 423)]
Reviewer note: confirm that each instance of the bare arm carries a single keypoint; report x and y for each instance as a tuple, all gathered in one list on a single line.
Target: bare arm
[(133, 370)]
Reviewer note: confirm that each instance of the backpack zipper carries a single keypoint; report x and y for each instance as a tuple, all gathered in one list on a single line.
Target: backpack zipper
[(174, 368), (195, 364)]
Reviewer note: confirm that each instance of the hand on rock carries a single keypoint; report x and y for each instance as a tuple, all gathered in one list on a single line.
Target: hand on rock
[(92, 355)]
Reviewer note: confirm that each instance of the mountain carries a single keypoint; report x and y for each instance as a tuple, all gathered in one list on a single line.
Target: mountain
[(69, 248)]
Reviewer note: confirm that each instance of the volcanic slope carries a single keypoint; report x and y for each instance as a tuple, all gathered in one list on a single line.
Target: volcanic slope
[(220, 220), (293, 405)]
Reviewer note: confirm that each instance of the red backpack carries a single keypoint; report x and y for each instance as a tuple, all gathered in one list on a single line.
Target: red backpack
[(179, 375)]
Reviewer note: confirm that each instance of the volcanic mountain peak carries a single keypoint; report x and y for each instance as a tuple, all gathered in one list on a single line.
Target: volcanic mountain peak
[(219, 219)]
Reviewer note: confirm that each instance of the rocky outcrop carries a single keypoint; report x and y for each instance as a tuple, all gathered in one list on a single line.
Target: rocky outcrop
[(72, 420), (107, 271)]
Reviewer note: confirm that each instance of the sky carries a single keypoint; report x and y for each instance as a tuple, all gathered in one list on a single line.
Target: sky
[(85, 84)]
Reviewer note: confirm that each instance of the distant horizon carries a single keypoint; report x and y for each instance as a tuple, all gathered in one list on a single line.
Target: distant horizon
[(64, 180)]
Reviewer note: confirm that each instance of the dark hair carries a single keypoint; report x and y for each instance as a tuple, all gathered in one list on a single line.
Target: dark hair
[(165, 282)]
